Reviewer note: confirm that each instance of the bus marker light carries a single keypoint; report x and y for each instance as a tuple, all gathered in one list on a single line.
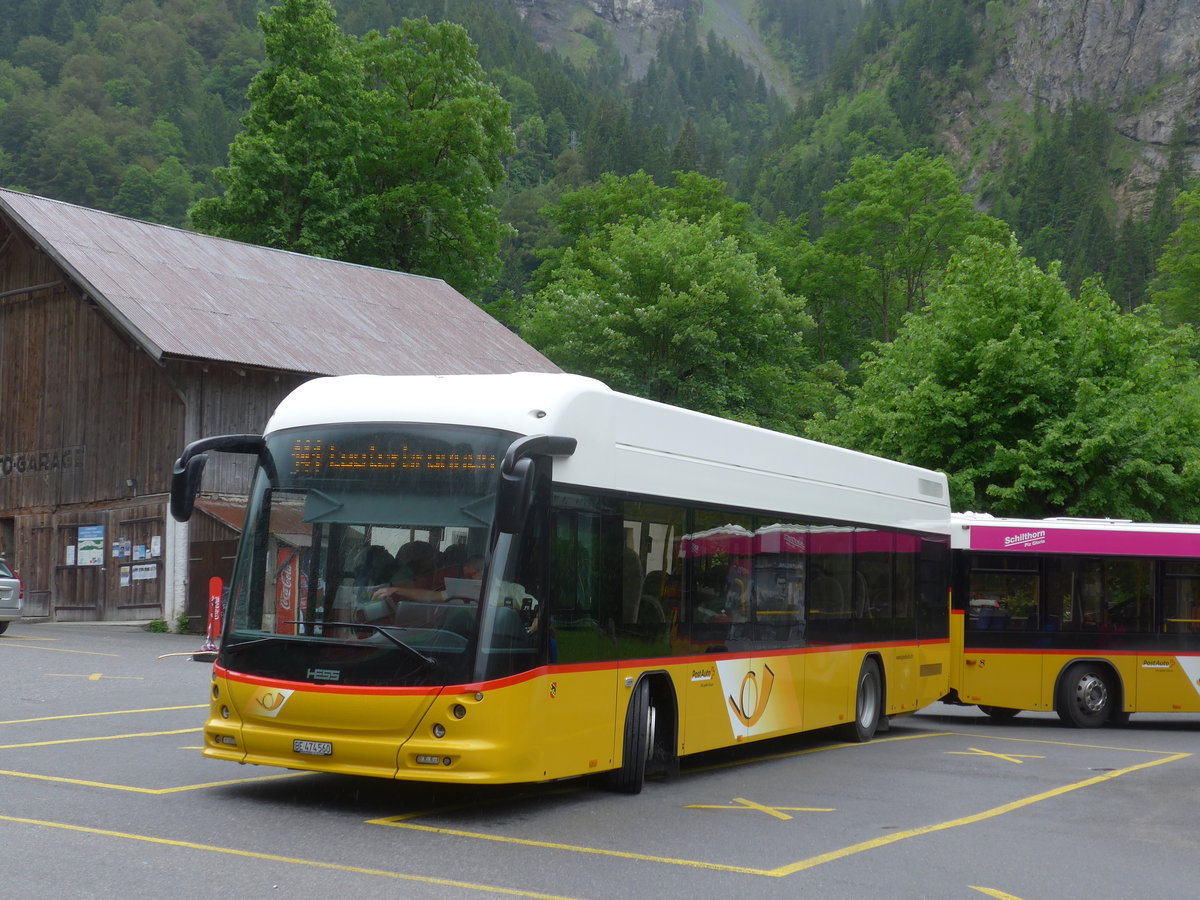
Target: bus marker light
[(478, 697), (446, 761), (439, 730), (224, 712), (229, 739), (459, 711)]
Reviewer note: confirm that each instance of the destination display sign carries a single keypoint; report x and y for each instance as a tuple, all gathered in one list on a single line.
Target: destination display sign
[(316, 457)]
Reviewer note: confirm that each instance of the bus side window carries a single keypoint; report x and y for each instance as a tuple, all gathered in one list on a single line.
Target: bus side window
[(1181, 598), (581, 621)]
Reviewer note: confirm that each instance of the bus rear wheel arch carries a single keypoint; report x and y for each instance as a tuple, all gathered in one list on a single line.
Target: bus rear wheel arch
[(868, 703), (649, 743), (1088, 694)]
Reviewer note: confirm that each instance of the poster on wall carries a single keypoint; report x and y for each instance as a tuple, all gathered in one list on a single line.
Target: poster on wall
[(90, 550)]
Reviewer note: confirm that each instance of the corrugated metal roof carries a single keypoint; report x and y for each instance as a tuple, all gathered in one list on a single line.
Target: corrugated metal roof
[(182, 294), (229, 511)]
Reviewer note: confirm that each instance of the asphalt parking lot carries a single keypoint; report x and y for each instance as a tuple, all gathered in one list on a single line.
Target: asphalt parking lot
[(105, 794)]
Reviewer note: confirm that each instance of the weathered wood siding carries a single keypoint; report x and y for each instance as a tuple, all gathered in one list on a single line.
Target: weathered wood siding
[(87, 415), (227, 400), (90, 425)]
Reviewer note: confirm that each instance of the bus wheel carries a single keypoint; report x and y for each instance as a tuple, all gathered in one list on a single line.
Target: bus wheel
[(868, 705), (639, 742), (1085, 696), (999, 713)]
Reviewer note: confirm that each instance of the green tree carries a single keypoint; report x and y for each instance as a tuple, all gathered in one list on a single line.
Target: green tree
[(1176, 285), (677, 311), (175, 192), (137, 195), (1034, 402), (290, 169), (900, 221), (383, 151)]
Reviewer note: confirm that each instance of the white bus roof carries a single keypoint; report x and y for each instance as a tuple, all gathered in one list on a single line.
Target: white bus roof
[(1097, 537), (638, 446)]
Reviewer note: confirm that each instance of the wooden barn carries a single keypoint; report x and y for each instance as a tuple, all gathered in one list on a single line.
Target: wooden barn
[(121, 341)]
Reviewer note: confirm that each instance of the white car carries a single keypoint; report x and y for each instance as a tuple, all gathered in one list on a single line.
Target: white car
[(12, 594)]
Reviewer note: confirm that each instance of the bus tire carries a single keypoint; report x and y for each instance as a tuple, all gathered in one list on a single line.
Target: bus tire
[(638, 744), (868, 704), (1085, 695), (998, 713)]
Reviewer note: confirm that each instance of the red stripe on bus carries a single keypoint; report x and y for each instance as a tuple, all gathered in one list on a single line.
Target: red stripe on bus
[(566, 669)]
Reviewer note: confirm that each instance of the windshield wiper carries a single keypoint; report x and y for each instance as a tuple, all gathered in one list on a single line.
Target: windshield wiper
[(381, 630)]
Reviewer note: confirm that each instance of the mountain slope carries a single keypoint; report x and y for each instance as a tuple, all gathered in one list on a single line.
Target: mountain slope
[(1137, 61), (573, 27)]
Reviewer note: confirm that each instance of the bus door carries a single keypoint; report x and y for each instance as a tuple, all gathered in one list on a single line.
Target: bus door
[(832, 664), (1002, 664), (1169, 680), (711, 557), (579, 696)]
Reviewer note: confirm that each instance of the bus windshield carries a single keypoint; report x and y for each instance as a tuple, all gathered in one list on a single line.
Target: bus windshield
[(362, 558)]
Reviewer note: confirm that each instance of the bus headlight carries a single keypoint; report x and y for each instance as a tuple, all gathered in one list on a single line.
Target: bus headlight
[(439, 730), (459, 711)]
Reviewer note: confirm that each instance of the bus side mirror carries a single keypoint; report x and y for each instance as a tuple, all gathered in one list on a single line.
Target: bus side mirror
[(188, 471), (185, 485), (517, 476), (515, 494)]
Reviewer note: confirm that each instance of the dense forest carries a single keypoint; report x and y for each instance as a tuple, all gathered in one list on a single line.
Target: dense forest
[(129, 106), (792, 243)]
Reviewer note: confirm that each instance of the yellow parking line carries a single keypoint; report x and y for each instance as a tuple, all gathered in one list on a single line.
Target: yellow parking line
[(778, 812), (58, 649), (992, 892), (967, 820), (573, 848), (1018, 758), (116, 712), (271, 857), (404, 821), (107, 737), (131, 789), (992, 737), (26, 637)]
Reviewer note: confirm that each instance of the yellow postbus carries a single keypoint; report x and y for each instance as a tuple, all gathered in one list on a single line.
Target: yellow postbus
[(526, 577), (1093, 619)]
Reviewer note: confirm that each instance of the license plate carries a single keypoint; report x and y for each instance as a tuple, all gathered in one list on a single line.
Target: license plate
[(313, 748)]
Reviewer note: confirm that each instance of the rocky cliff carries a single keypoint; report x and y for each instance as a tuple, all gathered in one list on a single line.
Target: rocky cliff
[(1138, 58), (633, 24)]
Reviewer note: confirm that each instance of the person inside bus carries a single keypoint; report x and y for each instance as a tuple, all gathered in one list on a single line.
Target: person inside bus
[(472, 570), (416, 565), (375, 568)]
